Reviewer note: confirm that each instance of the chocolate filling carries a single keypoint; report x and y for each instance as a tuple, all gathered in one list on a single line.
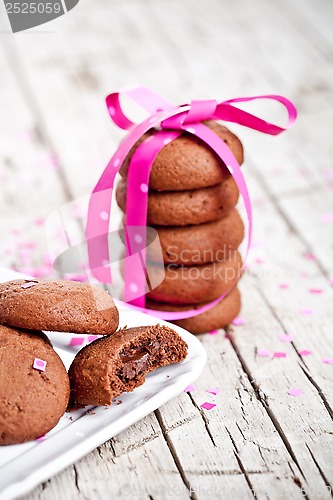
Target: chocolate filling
[(136, 360)]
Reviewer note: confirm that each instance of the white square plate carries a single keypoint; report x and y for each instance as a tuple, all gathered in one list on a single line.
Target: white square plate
[(23, 466)]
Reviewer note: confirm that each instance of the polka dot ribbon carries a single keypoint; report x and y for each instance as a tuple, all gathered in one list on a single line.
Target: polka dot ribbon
[(172, 121)]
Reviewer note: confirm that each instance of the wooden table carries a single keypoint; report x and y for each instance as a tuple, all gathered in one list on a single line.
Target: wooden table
[(56, 138)]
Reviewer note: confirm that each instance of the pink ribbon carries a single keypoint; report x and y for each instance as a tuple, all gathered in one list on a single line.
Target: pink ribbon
[(173, 120)]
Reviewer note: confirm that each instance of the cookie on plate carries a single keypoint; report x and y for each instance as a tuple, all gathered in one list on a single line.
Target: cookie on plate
[(218, 316), (200, 244), (63, 306), (182, 208), (119, 363), (187, 162), (194, 284), (34, 388)]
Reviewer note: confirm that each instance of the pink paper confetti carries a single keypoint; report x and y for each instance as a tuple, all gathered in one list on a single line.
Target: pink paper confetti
[(190, 388), (39, 221), (39, 364), (306, 311), (284, 337), (310, 256), (29, 284), (294, 391), (283, 286), (91, 338), (75, 341), (304, 352), (207, 406), (328, 361), (213, 390), (238, 321), (279, 354), (327, 218), (263, 353), (213, 332), (316, 291), (331, 281)]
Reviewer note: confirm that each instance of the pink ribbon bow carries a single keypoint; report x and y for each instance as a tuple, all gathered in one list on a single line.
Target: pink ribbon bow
[(173, 121)]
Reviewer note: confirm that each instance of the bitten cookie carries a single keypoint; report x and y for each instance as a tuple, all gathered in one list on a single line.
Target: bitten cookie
[(63, 306), (187, 162), (194, 284), (201, 244), (119, 363), (218, 316), (34, 388), (182, 208)]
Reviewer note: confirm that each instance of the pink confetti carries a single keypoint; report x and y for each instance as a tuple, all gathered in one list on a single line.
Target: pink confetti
[(213, 390), (316, 291), (294, 391), (279, 354), (213, 332), (284, 337), (207, 406), (91, 338), (306, 311), (304, 352), (263, 353), (39, 364), (327, 218), (190, 388), (259, 260), (29, 284), (328, 361), (283, 286), (75, 341), (39, 221), (331, 281), (238, 321), (310, 256)]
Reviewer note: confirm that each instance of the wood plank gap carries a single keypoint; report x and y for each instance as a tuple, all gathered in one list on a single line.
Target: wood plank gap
[(266, 406), (306, 372), (174, 455), (326, 481), (302, 364), (203, 416), (76, 478), (240, 463)]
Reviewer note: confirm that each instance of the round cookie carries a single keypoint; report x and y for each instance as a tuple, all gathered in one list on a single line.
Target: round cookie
[(119, 363), (194, 284), (187, 162), (31, 401), (63, 306), (201, 244), (183, 208), (218, 316)]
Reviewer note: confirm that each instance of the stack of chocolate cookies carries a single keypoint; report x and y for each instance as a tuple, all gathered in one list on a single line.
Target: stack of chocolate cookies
[(191, 205)]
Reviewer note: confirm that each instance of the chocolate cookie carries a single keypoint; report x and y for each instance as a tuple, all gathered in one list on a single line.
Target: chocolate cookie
[(194, 284), (187, 162), (217, 317), (119, 363), (182, 208), (201, 244), (34, 388), (64, 306)]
